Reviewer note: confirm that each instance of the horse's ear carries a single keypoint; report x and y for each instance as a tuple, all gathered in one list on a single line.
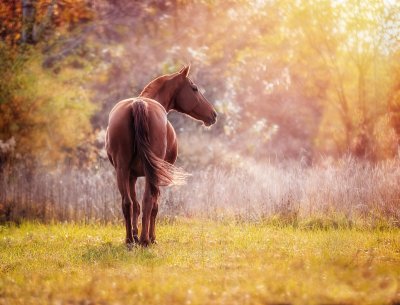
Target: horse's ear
[(185, 71)]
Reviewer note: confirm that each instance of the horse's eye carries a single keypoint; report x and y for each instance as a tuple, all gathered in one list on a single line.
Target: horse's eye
[(195, 89)]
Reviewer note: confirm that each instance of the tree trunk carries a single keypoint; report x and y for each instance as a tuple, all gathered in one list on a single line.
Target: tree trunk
[(28, 21), (40, 28)]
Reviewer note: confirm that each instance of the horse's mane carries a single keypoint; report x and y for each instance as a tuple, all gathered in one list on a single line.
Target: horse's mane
[(155, 85)]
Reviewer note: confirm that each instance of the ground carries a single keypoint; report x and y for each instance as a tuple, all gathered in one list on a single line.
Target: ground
[(199, 262)]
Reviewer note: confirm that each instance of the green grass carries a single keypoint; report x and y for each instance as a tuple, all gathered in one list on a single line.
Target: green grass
[(199, 262)]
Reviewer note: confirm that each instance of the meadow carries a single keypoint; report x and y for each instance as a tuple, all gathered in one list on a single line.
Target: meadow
[(253, 233), (199, 262)]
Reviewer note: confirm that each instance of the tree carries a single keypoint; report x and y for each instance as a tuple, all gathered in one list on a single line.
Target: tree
[(349, 41), (47, 115), (394, 97)]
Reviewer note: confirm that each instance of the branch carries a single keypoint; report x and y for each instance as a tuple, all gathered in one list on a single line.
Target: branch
[(38, 31), (49, 61)]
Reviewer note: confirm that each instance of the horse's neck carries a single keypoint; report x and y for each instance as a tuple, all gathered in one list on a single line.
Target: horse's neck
[(162, 99), (162, 95)]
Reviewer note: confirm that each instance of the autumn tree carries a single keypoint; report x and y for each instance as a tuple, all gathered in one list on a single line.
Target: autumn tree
[(350, 41), (394, 97), (47, 112)]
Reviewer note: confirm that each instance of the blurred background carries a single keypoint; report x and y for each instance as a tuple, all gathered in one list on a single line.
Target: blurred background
[(294, 82)]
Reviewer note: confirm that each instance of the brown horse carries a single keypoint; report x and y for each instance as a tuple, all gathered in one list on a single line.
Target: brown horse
[(140, 141)]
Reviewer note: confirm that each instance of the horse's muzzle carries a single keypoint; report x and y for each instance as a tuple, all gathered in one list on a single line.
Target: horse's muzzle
[(212, 120)]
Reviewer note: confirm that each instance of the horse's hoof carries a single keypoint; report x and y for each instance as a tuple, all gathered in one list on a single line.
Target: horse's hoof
[(130, 246), (144, 243), (154, 242)]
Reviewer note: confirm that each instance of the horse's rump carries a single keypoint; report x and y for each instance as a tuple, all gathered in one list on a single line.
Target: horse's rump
[(158, 171)]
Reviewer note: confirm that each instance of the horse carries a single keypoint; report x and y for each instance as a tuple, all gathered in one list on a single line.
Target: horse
[(141, 142)]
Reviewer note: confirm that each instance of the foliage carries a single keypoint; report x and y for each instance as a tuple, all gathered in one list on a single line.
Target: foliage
[(289, 79), (315, 74), (47, 113), (48, 15), (394, 96)]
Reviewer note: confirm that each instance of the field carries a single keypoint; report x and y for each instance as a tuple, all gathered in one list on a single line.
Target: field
[(256, 233), (199, 262)]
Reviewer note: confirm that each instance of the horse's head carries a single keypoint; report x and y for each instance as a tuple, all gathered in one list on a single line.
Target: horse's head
[(191, 101)]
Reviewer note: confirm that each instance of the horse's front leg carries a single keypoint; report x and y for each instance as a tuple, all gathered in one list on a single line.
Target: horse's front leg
[(149, 201)]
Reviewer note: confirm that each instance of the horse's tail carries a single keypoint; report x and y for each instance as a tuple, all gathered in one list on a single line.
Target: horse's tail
[(157, 171)]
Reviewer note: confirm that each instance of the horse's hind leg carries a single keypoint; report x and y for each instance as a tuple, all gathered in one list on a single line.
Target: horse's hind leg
[(149, 201), (136, 209), (123, 186), (153, 216)]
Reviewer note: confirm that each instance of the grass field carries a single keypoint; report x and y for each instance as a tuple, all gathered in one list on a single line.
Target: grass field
[(199, 262)]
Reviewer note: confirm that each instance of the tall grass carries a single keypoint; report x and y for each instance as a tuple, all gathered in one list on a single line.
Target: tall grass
[(344, 190)]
